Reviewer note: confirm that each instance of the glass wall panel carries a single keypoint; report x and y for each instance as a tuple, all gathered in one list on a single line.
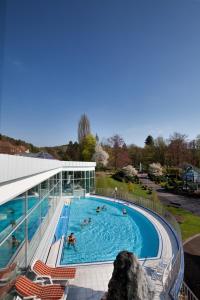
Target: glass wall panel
[(11, 251), (77, 174), (87, 185), (12, 245), (11, 213), (91, 184), (34, 196), (34, 221), (20, 236), (34, 231), (77, 184), (44, 188), (82, 180), (67, 183)]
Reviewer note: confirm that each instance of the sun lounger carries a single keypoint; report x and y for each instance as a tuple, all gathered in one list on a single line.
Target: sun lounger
[(28, 289), (163, 267), (58, 273), (6, 273)]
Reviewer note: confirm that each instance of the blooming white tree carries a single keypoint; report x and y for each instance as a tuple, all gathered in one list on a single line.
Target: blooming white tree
[(100, 156), (156, 169), (130, 170)]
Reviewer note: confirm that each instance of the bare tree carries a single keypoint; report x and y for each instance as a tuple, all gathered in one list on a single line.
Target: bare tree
[(83, 128), (177, 149), (119, 156)]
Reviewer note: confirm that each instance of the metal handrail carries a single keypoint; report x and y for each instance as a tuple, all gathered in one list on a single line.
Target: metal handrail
[(186, 293), (156, 207)]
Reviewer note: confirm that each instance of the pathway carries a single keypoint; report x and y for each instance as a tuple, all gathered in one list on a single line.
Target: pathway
[(186, 202)]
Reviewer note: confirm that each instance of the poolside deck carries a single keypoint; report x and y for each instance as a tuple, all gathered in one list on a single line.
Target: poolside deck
[(91, 281)]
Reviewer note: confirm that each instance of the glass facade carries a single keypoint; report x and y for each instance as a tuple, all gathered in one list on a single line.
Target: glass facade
[(74, 181), (24, 220)]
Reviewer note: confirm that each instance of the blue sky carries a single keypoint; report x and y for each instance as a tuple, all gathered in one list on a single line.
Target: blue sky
[(132, 66)]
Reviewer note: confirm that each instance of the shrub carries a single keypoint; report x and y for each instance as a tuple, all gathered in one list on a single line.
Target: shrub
[(121, 175), (130, 171), (118, 176), (156, 169)]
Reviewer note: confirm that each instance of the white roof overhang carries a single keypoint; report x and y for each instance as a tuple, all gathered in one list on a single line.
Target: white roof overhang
[(11, 190)]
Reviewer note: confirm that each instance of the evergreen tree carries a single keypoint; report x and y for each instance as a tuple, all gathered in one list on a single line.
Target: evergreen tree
[(149, 141)]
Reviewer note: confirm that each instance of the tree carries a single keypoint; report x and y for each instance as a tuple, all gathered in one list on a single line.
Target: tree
[(100, 156), (197, 143), (156, 169), (160, 149), (116, 141), (83, 128), (73, 151), (119, 156), (97, 138), (88, 147), (149, 141), (130, 171), (135, 154), (177, 152)]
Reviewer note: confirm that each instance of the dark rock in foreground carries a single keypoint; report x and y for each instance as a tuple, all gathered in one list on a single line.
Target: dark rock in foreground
[(129, 281)]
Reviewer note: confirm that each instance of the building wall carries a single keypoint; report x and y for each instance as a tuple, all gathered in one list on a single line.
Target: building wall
[(24, 220), (15, 167), (30, 195)]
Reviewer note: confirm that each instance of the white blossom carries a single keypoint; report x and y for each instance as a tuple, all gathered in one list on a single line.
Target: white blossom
[(130, 170), (100, 156), (156, 169)]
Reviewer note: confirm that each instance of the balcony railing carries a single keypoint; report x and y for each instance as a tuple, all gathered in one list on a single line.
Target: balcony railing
[(186, 293), (169, 287)]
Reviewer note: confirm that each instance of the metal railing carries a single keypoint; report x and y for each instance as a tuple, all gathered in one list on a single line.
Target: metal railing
[(159, 209), (186, 293)]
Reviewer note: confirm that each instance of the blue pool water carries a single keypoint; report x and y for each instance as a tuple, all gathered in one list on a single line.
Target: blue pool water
[(108, 233)]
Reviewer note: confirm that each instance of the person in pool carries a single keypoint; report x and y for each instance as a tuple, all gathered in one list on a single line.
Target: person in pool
[(124, 212), (15, 242), (98, 209), (71, 240), (84, 223), (103, 207), (11, 210)]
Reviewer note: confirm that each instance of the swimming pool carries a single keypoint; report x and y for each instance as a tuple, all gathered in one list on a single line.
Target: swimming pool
[(109, 232)]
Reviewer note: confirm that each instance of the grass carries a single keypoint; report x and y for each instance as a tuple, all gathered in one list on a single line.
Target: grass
[(105, 181), (188, 222)]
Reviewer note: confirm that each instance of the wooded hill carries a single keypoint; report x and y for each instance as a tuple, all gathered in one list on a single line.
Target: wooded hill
[(10, 145)]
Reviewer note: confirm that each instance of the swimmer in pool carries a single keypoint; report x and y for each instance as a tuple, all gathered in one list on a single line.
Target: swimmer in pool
[(71, 240), (98, 209), (124, 212)]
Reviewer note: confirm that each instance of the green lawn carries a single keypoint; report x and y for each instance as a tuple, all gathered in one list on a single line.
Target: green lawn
[(189, 223), (105, 181)]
